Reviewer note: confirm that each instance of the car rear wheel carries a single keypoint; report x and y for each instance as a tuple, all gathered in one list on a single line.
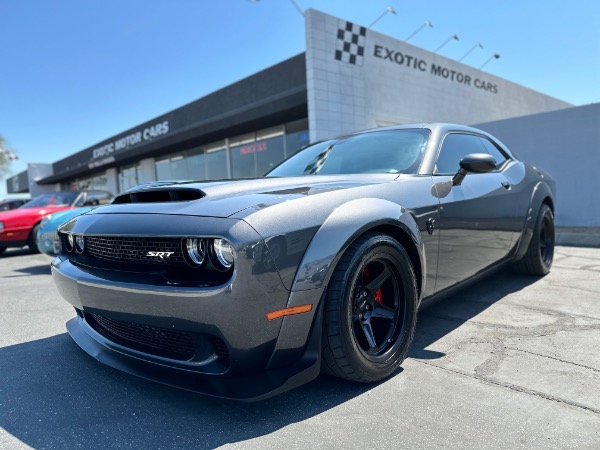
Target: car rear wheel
[(539, 256), (31, 240), (371, 310)]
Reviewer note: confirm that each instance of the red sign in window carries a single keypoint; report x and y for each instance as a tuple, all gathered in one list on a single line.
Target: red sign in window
[(254, 148)]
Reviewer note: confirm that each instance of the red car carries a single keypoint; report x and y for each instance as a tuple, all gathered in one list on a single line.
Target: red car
[(8, 204), (19, 227)]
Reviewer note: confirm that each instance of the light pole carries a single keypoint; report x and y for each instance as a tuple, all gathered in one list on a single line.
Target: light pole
[(494, 56), (297, 7), (427, 23), (478, 45), (454, 36), (389, 9)]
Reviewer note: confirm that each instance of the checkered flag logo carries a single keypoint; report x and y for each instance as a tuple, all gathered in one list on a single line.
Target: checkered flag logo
[(350, 44)]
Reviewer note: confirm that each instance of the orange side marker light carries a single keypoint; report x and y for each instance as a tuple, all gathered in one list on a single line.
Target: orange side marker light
[(289, 311)]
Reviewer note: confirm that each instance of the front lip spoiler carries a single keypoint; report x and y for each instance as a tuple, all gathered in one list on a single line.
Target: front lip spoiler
[(251, 387)]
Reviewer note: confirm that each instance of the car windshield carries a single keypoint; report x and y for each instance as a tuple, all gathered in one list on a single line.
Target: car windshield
[(389, 151), (52, 199)]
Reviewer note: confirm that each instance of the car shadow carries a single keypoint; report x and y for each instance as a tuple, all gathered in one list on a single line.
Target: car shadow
[(443, 317), (11, 252), (42, 269), (54, 395)]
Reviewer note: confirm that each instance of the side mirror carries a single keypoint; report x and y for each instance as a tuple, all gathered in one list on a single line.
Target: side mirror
[(474, 163)]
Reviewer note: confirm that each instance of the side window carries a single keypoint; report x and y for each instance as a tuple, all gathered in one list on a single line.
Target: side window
[(494, 151), (454, 148)]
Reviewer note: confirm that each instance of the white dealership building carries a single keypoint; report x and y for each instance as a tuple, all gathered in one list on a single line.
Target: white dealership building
[(349, 78)]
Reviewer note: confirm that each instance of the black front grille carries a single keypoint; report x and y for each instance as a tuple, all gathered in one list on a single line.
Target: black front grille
[(135, 249), (172, 344), (220, 348)]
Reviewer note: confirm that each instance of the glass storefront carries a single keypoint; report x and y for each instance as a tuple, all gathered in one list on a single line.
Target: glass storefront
[(128, 177), (244, 156), (216, 162), (99, 181)]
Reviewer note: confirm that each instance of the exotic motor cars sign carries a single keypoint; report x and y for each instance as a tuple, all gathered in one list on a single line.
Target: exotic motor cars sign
[(137, 137), (412, 62)]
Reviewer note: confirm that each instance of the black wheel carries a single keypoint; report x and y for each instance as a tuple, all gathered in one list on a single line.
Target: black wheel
[(539, 256), (371, 310), (31, 240), (2, 250)]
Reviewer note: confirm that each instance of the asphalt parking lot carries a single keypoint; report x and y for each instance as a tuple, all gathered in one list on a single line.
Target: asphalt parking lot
[(512, 362)]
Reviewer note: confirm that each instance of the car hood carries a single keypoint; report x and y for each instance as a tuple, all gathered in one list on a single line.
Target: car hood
[(228, 197)]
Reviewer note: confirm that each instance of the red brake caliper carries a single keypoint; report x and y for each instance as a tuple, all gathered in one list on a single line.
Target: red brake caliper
[(366, 278), (378, 297)]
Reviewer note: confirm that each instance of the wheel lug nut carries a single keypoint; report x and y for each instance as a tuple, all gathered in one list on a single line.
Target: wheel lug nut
[(364, 294)]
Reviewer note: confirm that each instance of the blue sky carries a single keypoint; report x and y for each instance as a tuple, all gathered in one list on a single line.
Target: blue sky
[(74, 72)]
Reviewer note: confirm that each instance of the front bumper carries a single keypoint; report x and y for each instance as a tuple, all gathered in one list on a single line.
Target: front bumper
[(262, 357), (250, 387), (13, 237)]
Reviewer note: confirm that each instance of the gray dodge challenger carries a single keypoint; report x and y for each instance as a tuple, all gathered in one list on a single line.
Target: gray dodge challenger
[(244, 289)]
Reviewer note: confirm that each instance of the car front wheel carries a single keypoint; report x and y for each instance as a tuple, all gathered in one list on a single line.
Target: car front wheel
[(371, 310), (31, 240)]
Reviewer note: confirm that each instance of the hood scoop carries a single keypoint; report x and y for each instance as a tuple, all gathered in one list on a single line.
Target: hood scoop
[(159, 196)]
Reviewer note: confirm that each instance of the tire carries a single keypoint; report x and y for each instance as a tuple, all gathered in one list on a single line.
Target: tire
[(540, 253), (31, 240), (370, 310)]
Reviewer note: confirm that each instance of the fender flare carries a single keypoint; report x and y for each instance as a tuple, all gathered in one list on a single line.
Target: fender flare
[(340, 229), (540, 193)]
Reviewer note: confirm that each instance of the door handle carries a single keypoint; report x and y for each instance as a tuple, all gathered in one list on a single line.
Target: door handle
[(506, 185)]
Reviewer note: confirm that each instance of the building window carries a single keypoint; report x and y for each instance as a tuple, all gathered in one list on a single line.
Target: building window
[(246, 156), (196, 164), (254, 154), (216, 161), (162, 169), (99, 181), (172, 168), (242, 150), (128, 177), (177, 167), (296, 136), (270, 149)]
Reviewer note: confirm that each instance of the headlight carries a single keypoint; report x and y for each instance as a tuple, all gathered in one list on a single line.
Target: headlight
[(196, 252), (70, 242), (79, 243), (223, 254), (57, 245), (45, 220)]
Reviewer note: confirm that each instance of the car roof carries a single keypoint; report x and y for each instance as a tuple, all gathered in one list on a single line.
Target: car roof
[(437, 126)]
